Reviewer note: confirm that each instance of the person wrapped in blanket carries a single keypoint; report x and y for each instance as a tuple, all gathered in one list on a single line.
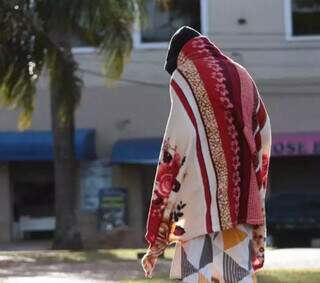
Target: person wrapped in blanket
[(210, 184)]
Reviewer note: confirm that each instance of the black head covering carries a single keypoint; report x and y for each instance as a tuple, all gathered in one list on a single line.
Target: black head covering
[(178, 40)]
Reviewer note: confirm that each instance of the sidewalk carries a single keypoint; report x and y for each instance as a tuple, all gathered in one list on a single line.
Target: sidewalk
[(66, 272), (293, 259), (49, 279)]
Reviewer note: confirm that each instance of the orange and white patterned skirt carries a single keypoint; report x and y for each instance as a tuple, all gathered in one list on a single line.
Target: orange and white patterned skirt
[(222, 257)]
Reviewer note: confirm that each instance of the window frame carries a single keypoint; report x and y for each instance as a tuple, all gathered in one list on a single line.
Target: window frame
[(289, 25), (84, 50), (136, 35)]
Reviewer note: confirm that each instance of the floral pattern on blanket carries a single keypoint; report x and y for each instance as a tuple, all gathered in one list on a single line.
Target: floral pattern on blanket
[(166, 182)]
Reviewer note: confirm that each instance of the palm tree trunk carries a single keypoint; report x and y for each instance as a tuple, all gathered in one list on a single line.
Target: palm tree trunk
[(67, 234)]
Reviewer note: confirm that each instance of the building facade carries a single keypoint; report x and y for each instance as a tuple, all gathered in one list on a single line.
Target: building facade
[(277, 41)]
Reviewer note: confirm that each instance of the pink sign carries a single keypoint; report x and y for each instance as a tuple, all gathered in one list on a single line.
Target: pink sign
[(296, 144)]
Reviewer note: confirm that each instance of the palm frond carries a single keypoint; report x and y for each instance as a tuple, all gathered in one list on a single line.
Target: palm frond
[(25, 50), (21, 61), (113, 20), (28, 45)]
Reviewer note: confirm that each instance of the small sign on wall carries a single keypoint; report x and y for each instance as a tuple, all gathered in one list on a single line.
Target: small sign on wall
[(112, 213), (296, 144)]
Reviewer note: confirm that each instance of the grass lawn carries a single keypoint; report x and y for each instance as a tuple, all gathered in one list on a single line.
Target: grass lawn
[(81, 256), (270, 276), (130, 255), (70, 256), (289, 276)]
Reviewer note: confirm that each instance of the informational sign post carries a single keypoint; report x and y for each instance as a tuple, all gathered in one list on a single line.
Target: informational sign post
[(112, 213)]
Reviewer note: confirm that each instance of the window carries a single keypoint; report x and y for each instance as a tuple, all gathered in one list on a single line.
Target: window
[(303, 19), (162, 22), (79, 46)]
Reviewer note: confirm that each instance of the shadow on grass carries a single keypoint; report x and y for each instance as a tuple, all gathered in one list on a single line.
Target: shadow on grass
[(67, 256), (114, 255)]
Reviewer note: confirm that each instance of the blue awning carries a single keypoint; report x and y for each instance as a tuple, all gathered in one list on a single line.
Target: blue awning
[(38, 145), (136, 151)]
